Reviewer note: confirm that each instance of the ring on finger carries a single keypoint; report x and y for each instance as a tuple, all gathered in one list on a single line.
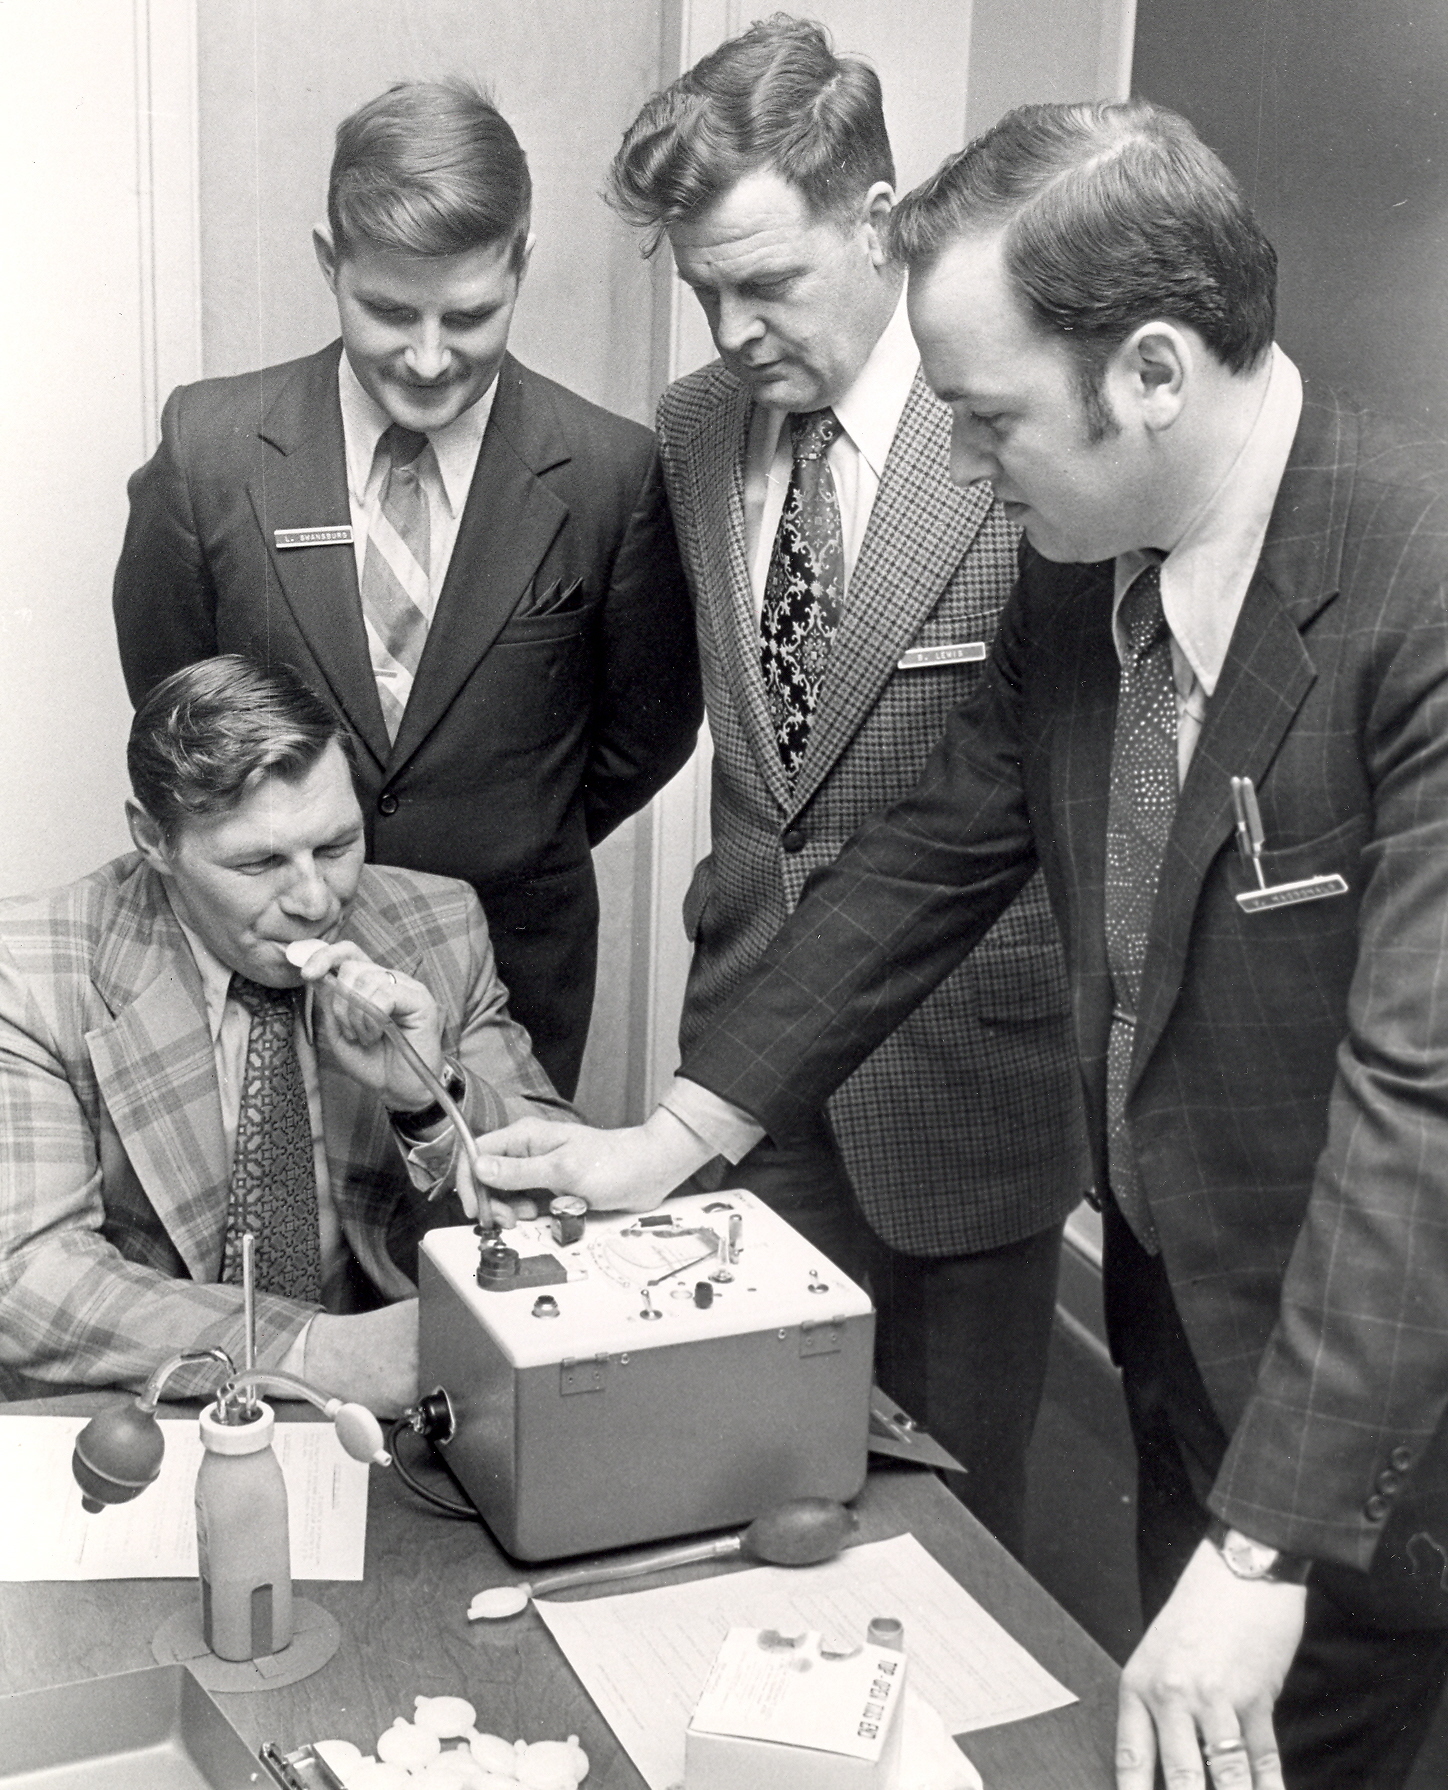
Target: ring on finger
[(390, 977), (1223, 1749)]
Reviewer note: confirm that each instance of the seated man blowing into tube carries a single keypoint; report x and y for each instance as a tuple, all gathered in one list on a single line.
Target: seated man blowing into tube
[(165, 1086)]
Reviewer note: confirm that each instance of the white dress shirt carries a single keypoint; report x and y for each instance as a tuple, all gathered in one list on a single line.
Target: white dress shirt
[(1204, 578), (1204, 582), (868, 414), (445, 470)]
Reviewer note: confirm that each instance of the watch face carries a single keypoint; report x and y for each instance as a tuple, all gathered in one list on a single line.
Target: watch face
[(1248, 1559)]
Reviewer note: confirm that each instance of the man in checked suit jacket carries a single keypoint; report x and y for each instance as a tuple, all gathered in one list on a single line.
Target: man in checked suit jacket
[(945, 1166), (115, 1077), (1094, 300), (557, 684)]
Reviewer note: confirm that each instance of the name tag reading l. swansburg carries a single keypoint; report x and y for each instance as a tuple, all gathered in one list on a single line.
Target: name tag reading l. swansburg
[(338, 536), (1311, 888), (957, 652)]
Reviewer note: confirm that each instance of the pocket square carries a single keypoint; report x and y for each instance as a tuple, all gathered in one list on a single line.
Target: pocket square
[(556, 598)]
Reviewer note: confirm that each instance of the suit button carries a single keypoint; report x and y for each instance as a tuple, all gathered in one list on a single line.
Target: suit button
[(1389, 1482), (794, 839), (387, 803), (1401, 1458), (1376, 1508)]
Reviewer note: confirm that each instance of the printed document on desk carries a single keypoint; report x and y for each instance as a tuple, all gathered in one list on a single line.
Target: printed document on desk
[(44, 1533), (645, 1657)]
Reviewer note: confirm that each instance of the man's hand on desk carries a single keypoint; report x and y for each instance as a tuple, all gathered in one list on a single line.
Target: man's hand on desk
[(630, 1170), (1207, 1673), (369, 1356)]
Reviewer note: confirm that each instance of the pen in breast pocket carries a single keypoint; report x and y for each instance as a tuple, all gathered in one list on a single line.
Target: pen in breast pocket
[(1250, 837), (1250, 841)]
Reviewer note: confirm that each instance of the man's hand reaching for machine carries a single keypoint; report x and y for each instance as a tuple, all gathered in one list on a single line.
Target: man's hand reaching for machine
[(630, 1170)]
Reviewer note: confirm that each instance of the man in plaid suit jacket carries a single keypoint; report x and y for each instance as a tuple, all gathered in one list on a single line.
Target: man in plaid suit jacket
[(114, 1169), (1095, 301), (948, 1161)]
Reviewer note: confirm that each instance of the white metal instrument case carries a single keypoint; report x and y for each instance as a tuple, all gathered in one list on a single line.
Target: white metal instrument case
[(651, 1379)]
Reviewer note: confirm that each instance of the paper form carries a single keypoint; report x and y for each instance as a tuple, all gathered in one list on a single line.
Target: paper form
[(44, 1533), (645, 1657)]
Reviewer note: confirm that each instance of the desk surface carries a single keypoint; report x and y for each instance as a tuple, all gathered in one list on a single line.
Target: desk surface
[(405, 1631)]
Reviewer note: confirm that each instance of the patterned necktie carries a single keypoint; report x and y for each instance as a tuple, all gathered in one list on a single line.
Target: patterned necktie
[(1139, 816), (273, 1173), (396, 575), (805, 588)]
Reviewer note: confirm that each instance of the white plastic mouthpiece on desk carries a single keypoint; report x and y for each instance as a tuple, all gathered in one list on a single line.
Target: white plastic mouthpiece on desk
[(500, 1601)]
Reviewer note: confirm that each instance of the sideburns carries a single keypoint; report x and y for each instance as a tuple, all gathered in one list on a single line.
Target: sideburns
[(1100, 419)]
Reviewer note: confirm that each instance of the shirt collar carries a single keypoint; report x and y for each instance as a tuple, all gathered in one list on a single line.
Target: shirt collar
[(455, 447), (1204, 578), (216, 980), (869, 412), (215, 976)]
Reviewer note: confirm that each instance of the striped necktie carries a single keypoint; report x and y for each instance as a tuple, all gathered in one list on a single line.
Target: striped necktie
[(273, 1169), (804, 590), (396, 573), (1140, 810)]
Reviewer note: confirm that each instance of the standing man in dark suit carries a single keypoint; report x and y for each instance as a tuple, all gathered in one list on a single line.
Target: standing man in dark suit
[(944, 1168), (474, 564), (1216, 715)]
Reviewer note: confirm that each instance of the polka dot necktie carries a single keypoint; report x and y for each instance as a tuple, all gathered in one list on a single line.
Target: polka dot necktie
[(273, 1172), (1138, 821), (805, 588)]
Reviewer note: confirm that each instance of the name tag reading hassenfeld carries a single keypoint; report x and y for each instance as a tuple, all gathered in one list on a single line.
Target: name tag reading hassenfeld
[(339, 536), (958, 652), (1311, 888)]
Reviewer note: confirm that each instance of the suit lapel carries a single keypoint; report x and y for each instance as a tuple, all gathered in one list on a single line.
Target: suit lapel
[(1267, 674), (726, 599), (303, 484), (921, 527), (508, 523), (156, 1069)]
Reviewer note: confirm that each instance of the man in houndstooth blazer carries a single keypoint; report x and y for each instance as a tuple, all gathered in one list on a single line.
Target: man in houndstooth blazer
[(950, 1158), (114, 1168)]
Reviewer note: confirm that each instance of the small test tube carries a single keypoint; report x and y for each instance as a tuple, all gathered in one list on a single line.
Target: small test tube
[(248, 1310)]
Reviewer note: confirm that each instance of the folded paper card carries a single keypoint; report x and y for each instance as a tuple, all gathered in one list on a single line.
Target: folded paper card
[(781, 1712)]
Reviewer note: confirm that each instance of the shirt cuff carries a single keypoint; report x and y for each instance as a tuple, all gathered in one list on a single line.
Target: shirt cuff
[(295, 1358), (728, 1130)]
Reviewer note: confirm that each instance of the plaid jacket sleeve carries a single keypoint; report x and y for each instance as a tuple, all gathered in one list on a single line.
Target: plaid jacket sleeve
[(73, 1308)]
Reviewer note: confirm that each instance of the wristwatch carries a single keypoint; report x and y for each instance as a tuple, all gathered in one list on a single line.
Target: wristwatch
[(413, 1124), (1250, 1559)]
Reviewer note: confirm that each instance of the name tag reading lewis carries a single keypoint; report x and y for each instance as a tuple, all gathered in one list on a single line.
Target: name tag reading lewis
[(1250, 840), (958, 652), (340, 536)]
